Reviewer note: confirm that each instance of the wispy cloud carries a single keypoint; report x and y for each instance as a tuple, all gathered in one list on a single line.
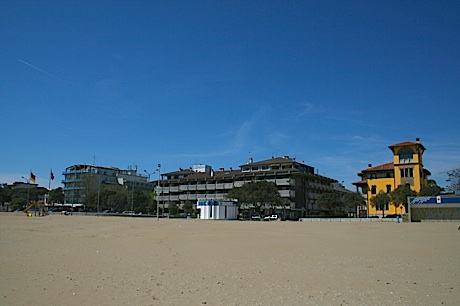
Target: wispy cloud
[(305, 109), (41, 70)]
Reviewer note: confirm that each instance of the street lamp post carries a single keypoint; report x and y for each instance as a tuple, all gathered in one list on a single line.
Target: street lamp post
[(158, 195), (148, 183), (148, 175), (132, 198), (98, 194)]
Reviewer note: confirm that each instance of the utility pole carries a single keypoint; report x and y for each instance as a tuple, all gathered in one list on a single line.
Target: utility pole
[(158, 195)]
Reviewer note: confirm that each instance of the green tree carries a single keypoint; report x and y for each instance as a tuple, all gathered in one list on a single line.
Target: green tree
[(117, 200), (353, 200), (432, 189), (260, 195), (399, 196), (188, 207), (5, 196), (173, 208), (56, 196), (141, 201), (329, 201), (454, 180), (381, 201)]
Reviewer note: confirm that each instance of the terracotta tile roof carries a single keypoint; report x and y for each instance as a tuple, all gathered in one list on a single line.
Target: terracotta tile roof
[(360, 183), (407, 143), (383, 167)]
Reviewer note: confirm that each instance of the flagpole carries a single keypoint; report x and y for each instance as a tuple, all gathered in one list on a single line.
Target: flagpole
[(32, 178)]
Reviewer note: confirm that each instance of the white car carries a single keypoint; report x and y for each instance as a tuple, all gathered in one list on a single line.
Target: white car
[(271, 217)]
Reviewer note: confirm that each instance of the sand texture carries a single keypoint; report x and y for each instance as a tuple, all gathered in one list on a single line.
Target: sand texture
[(89, 260)]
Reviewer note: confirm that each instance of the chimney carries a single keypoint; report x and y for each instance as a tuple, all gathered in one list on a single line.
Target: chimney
[(369, 165), (251, 160), (417, 139)]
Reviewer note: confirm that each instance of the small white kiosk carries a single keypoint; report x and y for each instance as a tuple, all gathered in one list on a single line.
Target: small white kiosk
[(217, 210)]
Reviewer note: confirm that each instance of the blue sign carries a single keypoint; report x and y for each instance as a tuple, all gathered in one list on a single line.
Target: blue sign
[(435, 200)]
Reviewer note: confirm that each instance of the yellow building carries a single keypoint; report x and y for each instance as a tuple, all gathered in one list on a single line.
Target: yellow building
[(406, 169)]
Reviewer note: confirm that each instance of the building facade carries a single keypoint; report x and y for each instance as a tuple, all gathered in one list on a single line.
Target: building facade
[(80, 179), (406, 169), (297, 183)]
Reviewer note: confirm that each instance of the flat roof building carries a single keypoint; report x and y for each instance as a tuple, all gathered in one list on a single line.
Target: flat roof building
[(297, 183)]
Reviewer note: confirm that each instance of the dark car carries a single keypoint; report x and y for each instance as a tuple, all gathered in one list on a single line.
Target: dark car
[(394, 216)]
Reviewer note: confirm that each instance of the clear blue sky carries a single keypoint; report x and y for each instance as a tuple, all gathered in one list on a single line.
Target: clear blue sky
[(126, 83)]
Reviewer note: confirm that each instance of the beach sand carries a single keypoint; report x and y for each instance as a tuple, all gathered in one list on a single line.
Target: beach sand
[(90, 260)]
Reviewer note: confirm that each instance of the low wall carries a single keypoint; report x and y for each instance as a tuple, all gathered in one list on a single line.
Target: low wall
[(434, 208), (348, 220)]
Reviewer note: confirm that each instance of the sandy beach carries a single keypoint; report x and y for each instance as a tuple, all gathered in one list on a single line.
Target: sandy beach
[(90, 260)]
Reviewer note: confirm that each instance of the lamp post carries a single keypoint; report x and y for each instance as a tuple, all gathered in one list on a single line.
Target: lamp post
[(158, 195), (132, 199), (148, 182), (148, 175), (98, 194)]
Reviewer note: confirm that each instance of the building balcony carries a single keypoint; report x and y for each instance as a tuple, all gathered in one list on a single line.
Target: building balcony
[(238, 183), (283, 182), (287, 193)]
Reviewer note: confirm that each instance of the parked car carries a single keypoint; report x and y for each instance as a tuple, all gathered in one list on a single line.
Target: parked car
[(129, 212), (108, 211), (271, 217), (393, 216), (255, 218)]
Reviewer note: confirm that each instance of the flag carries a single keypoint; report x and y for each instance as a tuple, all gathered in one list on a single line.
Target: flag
[(51, 175), (32, 177)]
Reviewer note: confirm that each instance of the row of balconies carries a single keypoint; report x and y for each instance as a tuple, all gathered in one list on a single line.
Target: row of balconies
[(210, 196), (217, 186), (319, 186)]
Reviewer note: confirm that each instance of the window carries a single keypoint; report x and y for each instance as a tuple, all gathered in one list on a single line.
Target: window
[(388, 188), (374, 189), (373, 176), (407, 172), (405, 156)]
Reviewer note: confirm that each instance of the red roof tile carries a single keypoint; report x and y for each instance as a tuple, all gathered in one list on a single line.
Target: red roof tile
[(383, 167), (407, 143)]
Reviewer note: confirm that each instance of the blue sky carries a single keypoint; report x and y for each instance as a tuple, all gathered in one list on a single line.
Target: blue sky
[(137, 83)]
